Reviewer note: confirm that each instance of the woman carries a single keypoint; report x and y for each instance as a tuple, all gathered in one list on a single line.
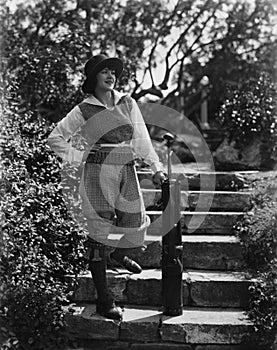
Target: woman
[(116, 134)]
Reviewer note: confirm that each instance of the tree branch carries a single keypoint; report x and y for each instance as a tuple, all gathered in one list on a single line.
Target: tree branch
[(137, 84), (163, 85), (157, 40), (168, 96), (152, 91)]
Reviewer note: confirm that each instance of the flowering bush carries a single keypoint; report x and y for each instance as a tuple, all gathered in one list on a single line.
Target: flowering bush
[(249, 113)]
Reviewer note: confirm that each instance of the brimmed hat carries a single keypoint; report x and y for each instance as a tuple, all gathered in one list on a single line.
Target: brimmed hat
[(95, 64)]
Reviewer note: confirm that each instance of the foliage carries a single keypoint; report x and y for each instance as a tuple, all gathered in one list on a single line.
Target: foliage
[(42, 242), (257, 232), (249, 113), (260, 224), (44, 61), (167, 48), (263, 310), (33, 309)]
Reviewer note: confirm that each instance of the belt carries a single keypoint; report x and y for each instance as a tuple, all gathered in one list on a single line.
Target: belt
[(119, 157), (112, 145)]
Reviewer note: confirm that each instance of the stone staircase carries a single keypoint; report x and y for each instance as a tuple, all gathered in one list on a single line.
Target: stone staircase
[(215, 285)]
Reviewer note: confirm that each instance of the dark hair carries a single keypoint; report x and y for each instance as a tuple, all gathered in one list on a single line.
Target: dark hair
[(92, 85)]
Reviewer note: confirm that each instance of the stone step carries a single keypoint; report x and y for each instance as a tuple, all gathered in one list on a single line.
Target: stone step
[(198, 222), (144, 325), (200, 288), (98, 344), (219, 252), (205, 180), (210, 200)]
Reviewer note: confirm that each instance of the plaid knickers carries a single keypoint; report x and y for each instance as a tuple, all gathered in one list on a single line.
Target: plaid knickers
[(113, 202)]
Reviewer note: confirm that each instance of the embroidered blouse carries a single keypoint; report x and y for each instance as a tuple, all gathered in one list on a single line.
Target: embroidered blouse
[(98, 124)]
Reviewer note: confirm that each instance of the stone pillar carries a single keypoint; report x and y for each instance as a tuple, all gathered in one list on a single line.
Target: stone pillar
[(204, 103)]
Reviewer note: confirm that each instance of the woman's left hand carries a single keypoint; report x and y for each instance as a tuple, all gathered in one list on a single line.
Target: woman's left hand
[(159, 177)]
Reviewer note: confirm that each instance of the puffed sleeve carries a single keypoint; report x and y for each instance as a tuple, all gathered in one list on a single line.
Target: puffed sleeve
[(59, 138), (141, 142)]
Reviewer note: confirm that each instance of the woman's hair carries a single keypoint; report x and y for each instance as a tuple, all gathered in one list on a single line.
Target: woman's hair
[(92, 85)]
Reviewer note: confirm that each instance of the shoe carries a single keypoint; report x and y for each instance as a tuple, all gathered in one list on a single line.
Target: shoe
[(109, 310), (125, 261)]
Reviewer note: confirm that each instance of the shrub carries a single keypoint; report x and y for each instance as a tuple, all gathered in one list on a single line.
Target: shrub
[(249, 112), (258, 235), (263, 309), (41, 240), (257, 232), (33, 309)]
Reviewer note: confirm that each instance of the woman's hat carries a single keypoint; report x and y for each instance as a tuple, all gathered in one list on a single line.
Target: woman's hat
[(95, 64)]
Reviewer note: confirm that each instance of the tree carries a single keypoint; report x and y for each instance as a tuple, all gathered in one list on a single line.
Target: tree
[(167, 46)]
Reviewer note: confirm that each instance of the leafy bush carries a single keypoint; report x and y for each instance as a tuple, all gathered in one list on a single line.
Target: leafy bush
[(263, 309), (249, 112), (41, 241), (257, 232), (258, 235), (33, 309)]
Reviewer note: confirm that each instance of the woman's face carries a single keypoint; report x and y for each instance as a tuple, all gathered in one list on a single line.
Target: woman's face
[(106, 79)]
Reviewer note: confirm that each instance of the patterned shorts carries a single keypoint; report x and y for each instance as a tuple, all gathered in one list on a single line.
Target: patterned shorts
[(112, 201)]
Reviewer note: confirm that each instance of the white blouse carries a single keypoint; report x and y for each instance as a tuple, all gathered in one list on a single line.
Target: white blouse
[(59, 139)]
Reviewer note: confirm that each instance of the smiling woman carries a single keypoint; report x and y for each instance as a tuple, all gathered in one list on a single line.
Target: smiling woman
[(116, 135), (106, 79), (106, 76)]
